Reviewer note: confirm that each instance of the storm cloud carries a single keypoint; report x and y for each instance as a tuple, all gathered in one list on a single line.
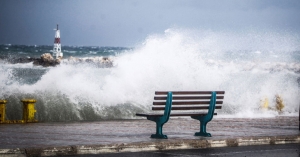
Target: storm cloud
[(127, 22)]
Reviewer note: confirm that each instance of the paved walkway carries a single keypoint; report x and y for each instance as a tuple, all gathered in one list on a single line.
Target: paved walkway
[(44, 139)]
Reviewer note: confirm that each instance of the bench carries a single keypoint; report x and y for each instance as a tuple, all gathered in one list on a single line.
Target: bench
[(201, 103)]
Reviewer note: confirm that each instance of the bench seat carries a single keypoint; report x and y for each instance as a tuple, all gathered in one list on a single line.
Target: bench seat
[(183, 114)]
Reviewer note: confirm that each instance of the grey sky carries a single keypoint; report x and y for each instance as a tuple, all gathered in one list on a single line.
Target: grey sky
[(127, 22)]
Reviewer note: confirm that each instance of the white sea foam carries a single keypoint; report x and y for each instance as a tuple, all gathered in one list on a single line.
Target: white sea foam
[(240, 64)]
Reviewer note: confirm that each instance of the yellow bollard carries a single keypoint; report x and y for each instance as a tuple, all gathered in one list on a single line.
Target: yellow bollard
[(264, 104), (2, 110), (279, 103), (28, 110)]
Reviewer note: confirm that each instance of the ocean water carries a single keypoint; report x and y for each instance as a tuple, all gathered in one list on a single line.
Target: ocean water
[(250, 66)]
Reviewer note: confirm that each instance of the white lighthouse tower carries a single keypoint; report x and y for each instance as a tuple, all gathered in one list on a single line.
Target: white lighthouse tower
[(57, 46)]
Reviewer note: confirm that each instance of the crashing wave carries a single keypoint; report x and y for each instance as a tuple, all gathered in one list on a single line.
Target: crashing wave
[(266, 66), (102, 62)]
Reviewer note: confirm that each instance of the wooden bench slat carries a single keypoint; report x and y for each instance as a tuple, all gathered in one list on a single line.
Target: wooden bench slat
[(173, 114), (186, 97), (187, 103), (187, 92), (189, 114), (187, 108)]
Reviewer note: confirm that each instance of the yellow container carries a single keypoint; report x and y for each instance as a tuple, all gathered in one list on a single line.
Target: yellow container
[(2, 110), (28, 110)]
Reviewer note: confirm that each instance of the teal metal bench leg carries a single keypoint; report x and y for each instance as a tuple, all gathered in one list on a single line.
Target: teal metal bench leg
[(205, 119), (160, 121), (203, 130), (159, 133)]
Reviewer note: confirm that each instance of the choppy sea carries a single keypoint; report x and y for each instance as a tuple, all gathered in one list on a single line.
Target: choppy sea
[(249, 66)]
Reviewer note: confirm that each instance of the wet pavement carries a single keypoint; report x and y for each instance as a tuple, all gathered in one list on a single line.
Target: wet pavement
[(281, 150), (133, 135)]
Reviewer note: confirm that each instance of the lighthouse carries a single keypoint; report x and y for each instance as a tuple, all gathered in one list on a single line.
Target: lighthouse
[(57, 46)]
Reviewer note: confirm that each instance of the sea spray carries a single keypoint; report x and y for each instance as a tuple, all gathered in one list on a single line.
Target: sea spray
[(249, 66)]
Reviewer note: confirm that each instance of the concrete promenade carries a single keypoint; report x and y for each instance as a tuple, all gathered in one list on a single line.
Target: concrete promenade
[(113, 136)]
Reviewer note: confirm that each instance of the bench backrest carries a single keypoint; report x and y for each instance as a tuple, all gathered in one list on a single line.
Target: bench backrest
[(188, 100)]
